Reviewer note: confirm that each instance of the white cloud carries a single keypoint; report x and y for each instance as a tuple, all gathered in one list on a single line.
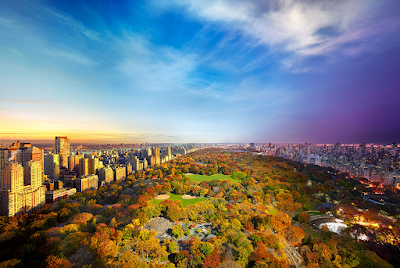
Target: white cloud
[(152, 67), (300, 27)]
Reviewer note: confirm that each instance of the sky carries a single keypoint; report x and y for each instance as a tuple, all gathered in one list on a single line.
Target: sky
[(175, 71)]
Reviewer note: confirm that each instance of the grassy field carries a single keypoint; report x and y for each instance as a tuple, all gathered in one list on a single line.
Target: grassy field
[(315, 213), (201, 178), (272, 210), (185, 202)]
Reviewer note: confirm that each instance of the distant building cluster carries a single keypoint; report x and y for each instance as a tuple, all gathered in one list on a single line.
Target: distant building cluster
[(377, 163), (31, 176)]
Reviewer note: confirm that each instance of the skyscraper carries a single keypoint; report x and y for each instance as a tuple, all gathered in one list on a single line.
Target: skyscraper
[(12, 177), (21, 153), (62, 148), (94, 165), (35, 154), (52, 165), (148, 152), (73, 163), (17, 197), (106, 175), (156, 154), (4, 157), (33, 173), (84, 166)]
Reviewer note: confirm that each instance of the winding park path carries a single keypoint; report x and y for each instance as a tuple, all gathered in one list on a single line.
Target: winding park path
[(293, 256)]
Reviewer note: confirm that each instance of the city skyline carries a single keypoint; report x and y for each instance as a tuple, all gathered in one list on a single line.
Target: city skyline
[(182, 72)]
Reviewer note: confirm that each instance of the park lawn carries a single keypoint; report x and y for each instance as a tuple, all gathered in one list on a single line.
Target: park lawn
[(185, 202), (221, 177), (315, 213), (272, 210)]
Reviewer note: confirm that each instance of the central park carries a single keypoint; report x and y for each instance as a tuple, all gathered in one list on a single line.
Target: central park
[(209, 209)]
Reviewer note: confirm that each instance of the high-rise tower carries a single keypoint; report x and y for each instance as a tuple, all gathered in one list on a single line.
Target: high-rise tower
[(156, 154), (33, 174), (84, 166), (62, 148), (17, 197), (12, 178), (52, 166)]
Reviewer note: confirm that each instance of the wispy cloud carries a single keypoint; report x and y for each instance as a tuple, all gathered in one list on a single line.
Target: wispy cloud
[(74, 24), (305, 28), (73, 56), (154, 68), (14, 51)]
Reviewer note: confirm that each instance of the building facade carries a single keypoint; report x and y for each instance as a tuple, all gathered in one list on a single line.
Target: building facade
[(90, 182), (120, 173), (16, 195), (106, 175), (73, 163), (62, 148), (58, 194), (84, 166), (52, 166)]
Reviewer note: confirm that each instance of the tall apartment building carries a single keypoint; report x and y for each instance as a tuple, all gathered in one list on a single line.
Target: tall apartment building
[(119, 173), (169, 152), (36, 154), (148, 152), (84, 166), (90, 182), (52, 166), (156, 155), (88, 166), (17, 152), (62, 148), (106, 175), (21, 153), (17, 197), (129, 169), (145, 164), (4, 157), (136, 164), (33, 174), (73, 163), (94, 165), (151, 161), (133, 161)]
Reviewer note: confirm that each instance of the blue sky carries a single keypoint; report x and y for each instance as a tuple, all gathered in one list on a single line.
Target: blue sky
[(200, 71)]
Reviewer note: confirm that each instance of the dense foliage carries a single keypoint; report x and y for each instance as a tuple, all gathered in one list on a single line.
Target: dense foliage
[(261, 221)]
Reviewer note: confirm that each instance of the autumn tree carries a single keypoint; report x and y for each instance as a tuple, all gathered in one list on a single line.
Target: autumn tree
[(56, 262), (171, 209)]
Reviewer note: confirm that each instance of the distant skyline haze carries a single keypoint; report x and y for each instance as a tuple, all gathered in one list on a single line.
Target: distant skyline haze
[(200, 71)]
